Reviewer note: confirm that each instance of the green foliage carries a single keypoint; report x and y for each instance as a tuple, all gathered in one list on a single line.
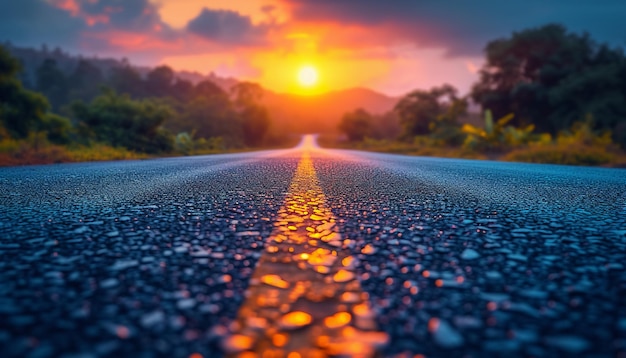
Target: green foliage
[(119, 120), (85, 82), (386, 126), (58, 129), (562, 154), (422, 112), (496, 135), (580, 145), (132, 122), (21, 111), (160, 80), (582, 133), (421, 145), (448, 135), (207, 117), (37, 150), (210, 145), (9, 66), (255, 121), (551, 78), (356, 125), (53, 83), (125, 79), (183, 143)]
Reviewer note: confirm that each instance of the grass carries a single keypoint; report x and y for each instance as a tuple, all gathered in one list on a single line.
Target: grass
[(40, 151), (24, 152), (566, 154), (545, 153), (423, 148)]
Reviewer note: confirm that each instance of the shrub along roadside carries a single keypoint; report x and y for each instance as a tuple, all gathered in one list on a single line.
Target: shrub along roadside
[(37, 150), (564, 154), (580, 145)]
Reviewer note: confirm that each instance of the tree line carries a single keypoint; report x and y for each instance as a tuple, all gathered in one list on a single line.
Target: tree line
[(154, 113), (538, 82)]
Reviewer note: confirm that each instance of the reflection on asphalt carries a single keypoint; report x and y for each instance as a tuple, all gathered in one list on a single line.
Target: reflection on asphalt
[(304, 299)]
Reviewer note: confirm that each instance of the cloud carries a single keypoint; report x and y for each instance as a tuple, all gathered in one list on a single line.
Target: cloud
[(34, 22), (225, 26), (126, 27), (126, 15), (460, 26)]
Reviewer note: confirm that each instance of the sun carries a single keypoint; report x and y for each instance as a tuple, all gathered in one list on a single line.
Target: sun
[(308, 76)]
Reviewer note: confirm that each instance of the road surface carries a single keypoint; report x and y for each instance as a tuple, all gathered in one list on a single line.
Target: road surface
[(311, 253)]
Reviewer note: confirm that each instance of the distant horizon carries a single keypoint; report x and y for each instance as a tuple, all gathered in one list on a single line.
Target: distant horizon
[(390, 47), (192, 72)]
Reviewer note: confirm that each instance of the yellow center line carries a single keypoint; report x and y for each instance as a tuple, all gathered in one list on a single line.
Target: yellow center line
[(304, 299)]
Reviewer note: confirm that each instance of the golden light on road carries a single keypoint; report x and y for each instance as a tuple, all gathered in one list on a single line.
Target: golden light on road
[(308, 76), (304, 299)]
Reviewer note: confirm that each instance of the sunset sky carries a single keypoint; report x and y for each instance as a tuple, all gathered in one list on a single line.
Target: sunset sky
[(391, 46)]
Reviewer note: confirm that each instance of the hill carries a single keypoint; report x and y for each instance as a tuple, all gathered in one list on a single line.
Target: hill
[(321, 113), (289, 112)]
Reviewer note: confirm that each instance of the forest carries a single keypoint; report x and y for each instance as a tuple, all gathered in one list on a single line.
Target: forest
[(547, 95), (77, 109)]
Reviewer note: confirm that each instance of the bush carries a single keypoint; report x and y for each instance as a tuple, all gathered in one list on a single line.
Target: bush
[(36, 149), (120, 121), (562, 154)]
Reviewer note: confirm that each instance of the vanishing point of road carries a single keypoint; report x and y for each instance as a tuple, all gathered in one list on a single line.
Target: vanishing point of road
[(311, 252)]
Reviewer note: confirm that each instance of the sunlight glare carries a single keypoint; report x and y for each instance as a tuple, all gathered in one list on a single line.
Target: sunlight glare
[(308, 76)]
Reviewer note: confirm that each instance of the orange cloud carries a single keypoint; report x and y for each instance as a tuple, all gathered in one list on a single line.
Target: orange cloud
[(70, 6), (178, 13), (471, 67), (133, 41), (74, 9)]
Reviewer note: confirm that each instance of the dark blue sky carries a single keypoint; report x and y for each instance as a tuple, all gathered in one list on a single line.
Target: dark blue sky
[(392, 29)]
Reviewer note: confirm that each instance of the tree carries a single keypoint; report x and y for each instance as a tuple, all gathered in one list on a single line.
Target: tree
[(208, 117), (21, 111), (159, 81), (124, 79), (422, 111), (52, 82), (182, 90), (207, 88), (255, 121), (85, 81), (58, 129), (255, 124), (551, 78), (119, 120), (386, 126), (356, 125)]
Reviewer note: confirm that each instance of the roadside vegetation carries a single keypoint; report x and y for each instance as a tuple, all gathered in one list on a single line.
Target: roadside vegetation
[(85, 114), (547, 96)]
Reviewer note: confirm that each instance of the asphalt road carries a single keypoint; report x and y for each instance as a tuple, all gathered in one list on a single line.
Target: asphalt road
[(214, 255)]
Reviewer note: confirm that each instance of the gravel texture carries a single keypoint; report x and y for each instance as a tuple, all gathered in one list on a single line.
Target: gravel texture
[(459, 258)]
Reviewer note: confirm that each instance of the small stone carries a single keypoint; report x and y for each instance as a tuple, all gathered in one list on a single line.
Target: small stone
[(368, 249), (152, 319), (123, 264), (294, 320), (109, 283), (469, 254), (571, 344), (275, 281), (337, 320), (237, 343), (444, 334), (186, 303), (343, 276)]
